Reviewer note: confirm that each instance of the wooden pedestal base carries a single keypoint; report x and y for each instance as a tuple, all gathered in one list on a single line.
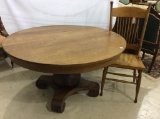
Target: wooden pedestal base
[(66, 85)]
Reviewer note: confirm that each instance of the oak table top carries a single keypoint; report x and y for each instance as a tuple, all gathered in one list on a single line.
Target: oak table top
[(81, 48), (66, 51)]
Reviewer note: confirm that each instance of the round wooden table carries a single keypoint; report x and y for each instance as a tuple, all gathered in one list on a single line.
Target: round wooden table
[(66, 52)]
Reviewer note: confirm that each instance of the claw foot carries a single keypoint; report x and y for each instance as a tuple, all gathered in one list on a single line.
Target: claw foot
[(58, 106)]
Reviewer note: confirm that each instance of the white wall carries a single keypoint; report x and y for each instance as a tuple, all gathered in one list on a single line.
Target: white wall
[(21, 14)]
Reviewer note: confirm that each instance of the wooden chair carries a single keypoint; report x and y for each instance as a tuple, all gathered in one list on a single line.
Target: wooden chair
[(1, 49), (151, 43), (3, 35), (127, 24)]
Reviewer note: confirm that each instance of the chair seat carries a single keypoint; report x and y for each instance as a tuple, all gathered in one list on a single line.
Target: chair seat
[(1, 39), (129, 61)]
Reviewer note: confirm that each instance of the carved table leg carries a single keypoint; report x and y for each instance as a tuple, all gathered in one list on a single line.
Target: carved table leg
[(66, 85)]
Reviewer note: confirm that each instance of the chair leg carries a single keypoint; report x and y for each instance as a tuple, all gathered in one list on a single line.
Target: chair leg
[(5, 55), (103, 80), (151, 65), (143, 55), (138, 83), (134, 76), (12, 63)]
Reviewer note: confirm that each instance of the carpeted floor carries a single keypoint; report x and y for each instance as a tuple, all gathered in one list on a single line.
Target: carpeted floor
[(155, 72)]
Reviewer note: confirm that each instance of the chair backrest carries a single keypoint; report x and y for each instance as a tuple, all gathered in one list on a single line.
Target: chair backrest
[(151, 40), (3, 31), (127, 25)]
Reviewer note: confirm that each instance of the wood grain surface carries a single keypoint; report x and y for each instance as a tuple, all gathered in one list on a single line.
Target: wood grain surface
[(64, 49)]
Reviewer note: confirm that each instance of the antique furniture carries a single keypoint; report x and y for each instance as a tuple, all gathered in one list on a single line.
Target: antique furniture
[(3, 31), (127, 21), (151, 42), (1, 49), (3, 35), (66, 52)]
